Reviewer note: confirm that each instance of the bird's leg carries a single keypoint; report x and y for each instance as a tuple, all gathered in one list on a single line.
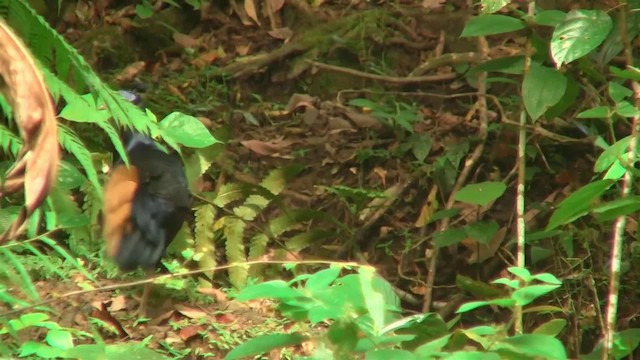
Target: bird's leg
[(142, 309)]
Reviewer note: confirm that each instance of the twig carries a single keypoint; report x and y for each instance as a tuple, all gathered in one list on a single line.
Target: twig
[(168, 276), (462, 178), (387, 79)]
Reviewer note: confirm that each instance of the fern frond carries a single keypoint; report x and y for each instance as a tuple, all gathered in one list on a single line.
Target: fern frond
[(21, 280), (72, 144), (205, 216), (9, 142), (234, 245), (257, 249)]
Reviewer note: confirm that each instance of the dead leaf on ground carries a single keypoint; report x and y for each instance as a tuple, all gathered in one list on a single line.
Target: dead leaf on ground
[(118, 303), (205, 58), (283, 33), (191, 313), (218, 295), (482, 252), (185, 41), (130, 72), (250, 8), (189, 331), (267, 148)]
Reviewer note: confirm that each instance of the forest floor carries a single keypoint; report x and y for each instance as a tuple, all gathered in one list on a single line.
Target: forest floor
[(287, 91)]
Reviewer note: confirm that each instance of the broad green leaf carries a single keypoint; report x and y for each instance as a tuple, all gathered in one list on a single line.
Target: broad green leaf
[(520, 272), (542, 88), (527, 294), (508, 65), (420, 146), (263, 344), (613, 153), (60, 339), (373, 299), (503, 302), (491, 6), (276, 289), (578, 203), (344, 334), (484, 25), (547, 278), (615, 208), (322, 279), (624, 343), (512, 283), (549, 17), (546, 347), (626, 109), (618, 92), (448, 237), (472, 355), (427, 350), (552, 327), (481, 193), (187, 130), (629, 73), (386, 354), (598, 112), (579, 33), (482, 231)]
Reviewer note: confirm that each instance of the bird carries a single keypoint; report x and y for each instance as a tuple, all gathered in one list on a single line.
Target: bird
[(145, 205)]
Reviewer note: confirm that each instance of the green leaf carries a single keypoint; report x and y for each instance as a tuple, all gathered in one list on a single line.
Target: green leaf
[(373, 299), (547, 278), (613, 153), (187, 130), (521, 272), (484, 25), (578, 34), (503, 302), (578, 203), (481, 194), (386, 354), (527, 294), (491, 6), (542, 88), (322, 279), (618, 92), (549, 17), (598, 112), (69, 177), (615, 208), (552, 327), (263, 344), (512, 283), (428, 350), (420, 146), (276, 289), (60, 339), (626, 109), (448, 237), (482, 231), (344, 334), (546, 347)]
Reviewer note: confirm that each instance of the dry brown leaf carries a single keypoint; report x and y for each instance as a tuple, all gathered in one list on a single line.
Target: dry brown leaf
[(218, 295), (174, 90), (189, 331), (130, 72), (432, 4), (283, 33), (428, 208), (382, 173), (482, 252), (191, 312), (26, 92), (118, 303), (185, 41), (267, 148), (363, 121), (243, 50), (250, 8), (299, 100), (205, 59)]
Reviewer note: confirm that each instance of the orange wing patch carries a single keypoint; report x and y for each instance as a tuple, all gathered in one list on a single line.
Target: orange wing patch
[(118, 198)]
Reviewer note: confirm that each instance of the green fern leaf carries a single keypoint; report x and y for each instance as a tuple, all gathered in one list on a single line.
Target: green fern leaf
[(22, 280), (9, 142), (205, 216), (228, 193), (234, 235), (257, 249), (71, 143)]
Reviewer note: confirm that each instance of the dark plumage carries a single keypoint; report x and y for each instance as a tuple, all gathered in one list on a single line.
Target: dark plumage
[(144, 205)]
